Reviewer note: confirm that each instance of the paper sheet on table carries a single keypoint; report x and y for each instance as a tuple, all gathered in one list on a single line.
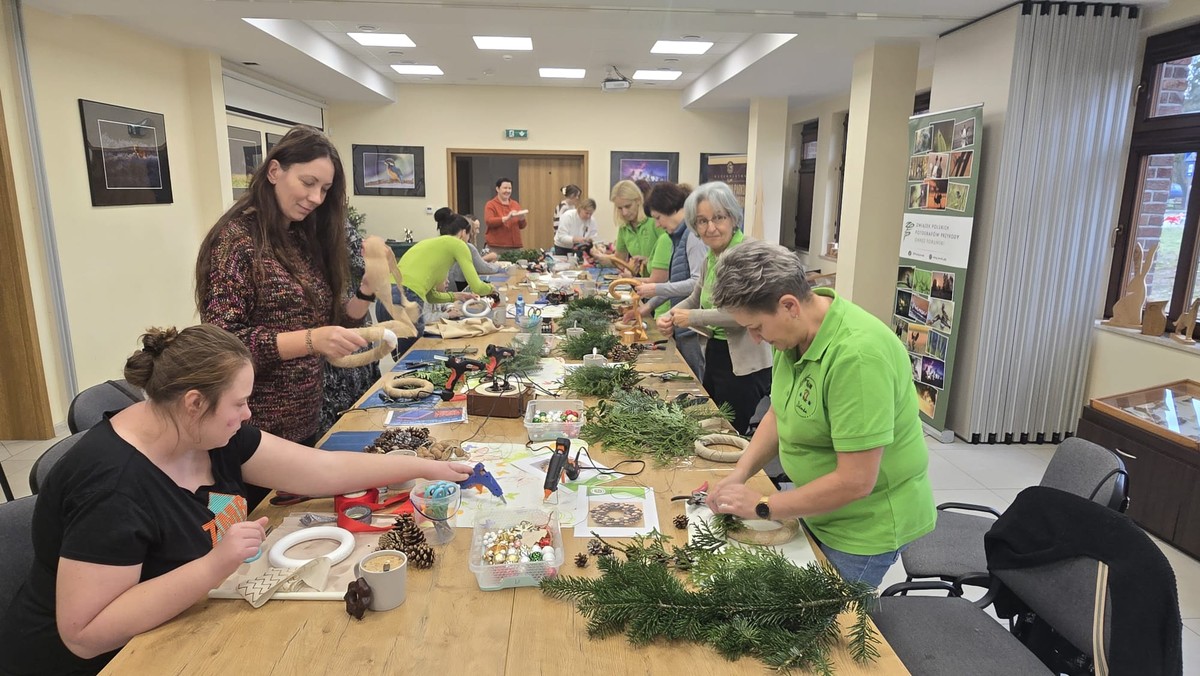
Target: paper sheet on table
[(598, 497)]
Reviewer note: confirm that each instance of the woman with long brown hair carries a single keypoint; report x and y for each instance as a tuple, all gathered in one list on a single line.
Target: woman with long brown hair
[(273, 271)]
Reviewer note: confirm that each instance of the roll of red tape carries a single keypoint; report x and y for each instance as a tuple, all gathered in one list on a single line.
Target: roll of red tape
[(368, 499)]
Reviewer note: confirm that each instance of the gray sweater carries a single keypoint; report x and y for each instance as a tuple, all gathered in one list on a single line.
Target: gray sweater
[(481, 266), (747, 355), (687, 266)]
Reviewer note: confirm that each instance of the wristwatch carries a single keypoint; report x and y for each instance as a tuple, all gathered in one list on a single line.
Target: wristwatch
[(763, 508), (362, 296)]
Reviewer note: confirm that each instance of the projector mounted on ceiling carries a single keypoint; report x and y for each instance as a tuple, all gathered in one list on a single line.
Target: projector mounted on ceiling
[(615, 82)]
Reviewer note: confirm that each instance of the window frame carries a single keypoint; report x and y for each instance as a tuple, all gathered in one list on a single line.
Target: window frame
[(1155, 136)]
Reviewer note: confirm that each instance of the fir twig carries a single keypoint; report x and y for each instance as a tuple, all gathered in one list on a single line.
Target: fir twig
[(575, 347), (601, 381), (636, 424)]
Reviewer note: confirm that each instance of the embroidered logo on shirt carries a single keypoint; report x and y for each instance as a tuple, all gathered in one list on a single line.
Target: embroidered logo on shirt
[(227, 510), (804, 401)]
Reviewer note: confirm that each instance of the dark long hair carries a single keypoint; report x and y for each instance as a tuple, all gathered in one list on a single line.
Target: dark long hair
[(324, 229)]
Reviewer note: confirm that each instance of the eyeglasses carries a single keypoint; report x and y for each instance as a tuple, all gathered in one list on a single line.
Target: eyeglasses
[(718, 220)]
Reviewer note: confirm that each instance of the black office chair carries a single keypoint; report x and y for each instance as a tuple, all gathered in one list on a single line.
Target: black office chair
[(1085, 590), (954, 550), (89, 406), (16, 532), (45, 462)]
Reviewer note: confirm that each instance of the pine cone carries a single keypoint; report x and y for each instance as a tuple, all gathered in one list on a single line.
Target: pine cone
[(622, 353), (420, 556), (398, 438), (681, 522), (410, 533), (598, 548), (646, 391), (581, 560), (391, 540)]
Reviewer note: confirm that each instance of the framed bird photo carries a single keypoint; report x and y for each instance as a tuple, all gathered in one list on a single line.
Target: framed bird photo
[(126, 154), (391, 171)]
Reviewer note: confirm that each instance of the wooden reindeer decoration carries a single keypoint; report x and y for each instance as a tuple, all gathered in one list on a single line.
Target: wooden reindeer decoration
[(1127, 312), (380, 268), (1185, 326)]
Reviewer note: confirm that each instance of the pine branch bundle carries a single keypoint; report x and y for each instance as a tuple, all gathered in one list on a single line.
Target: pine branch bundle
[(528, 355), (636, 424), (575, 347), (601, 381), (586, 318), (596, 303), (743, 602), (531, 255)]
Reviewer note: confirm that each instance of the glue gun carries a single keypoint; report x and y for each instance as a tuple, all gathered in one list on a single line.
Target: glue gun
[(497, 354), (480, 479), (561, 467), (458, 368)]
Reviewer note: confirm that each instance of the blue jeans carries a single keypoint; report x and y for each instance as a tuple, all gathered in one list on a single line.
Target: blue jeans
[(859, 567), (381, 314)]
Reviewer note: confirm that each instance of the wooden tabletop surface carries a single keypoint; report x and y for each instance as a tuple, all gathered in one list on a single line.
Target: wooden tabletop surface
[(447, 623)]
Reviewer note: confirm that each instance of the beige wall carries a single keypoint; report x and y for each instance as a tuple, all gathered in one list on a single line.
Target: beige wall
[(440, 117), (123, 268)]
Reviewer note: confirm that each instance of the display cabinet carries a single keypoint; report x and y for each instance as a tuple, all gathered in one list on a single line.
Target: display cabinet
[(1156, 431)]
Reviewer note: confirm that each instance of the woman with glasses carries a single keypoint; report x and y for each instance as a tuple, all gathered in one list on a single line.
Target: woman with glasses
[(737, 368)]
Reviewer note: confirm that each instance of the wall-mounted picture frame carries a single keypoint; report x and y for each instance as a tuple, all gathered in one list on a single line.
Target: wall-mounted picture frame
[(245, 154), (651, 167), (126, 154), (729, 168), (391, 171)]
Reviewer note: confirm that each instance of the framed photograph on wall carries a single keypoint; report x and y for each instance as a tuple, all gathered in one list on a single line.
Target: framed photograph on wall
[(392, 171), (245, 154), (126, 154), (651, 167), (728, 168)]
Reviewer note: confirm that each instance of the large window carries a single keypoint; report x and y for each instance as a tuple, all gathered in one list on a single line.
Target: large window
[(1157, 214)]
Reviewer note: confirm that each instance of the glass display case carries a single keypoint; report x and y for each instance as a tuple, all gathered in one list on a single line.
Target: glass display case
[(1170, 411)]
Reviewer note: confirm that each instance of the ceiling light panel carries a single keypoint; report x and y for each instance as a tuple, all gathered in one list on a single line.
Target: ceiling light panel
[(680, 47), (382, 39), (504, 43), (571, 73), (416, 69), (664, 75)]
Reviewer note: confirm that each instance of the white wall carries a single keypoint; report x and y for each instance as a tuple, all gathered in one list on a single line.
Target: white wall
[(439, 117)]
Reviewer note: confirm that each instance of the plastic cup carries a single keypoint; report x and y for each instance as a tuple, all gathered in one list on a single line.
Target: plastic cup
[(435, 504)]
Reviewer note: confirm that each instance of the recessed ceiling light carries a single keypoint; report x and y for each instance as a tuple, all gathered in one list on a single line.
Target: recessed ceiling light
[(680, 47), (381, 39), (414, 69), (367, 28), (573, 73), (657, 74), (498, 42)]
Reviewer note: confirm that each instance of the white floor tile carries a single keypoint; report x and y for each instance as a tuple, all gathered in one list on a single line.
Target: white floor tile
[(4, 454), (17, 472), (997, 466), (978, 496), (1007, 494), (1187, 580), (945, 475), (32, 450), (1191, 651)]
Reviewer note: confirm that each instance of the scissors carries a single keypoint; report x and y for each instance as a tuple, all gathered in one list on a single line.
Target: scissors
[(697, 497)]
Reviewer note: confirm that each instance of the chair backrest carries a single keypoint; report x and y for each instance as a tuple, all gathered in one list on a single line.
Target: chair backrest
[(1090, 471), (47, 460), (89, 406), (1063, 594), (16, 532)]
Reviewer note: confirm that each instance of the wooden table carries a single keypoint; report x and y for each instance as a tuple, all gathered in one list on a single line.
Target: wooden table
[(447, 625)]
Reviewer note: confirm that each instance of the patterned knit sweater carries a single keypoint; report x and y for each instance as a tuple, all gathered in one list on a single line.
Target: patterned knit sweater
[(287, 394)]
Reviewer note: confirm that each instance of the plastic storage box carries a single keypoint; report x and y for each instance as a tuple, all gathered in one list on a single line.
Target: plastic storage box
[(506, 575), (551, 431)]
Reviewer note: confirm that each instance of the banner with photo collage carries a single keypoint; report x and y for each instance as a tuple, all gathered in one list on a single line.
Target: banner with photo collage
[(939, 215)]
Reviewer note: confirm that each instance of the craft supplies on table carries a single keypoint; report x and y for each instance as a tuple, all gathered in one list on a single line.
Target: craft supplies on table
[(556, 421), (517, 534)]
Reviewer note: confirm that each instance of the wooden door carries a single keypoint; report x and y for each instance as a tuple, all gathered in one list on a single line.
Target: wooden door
[(540, 181)]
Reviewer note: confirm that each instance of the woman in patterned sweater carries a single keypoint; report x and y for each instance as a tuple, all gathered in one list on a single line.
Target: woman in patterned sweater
[(274, 272)]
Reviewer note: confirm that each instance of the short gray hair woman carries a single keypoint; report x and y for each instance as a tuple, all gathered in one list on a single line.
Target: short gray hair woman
[(737, 368), (843, 421)]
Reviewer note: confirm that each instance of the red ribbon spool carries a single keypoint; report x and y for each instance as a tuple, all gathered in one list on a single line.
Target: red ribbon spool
[(369, 499)]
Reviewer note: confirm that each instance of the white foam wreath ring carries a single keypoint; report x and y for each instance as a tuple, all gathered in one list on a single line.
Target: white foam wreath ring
[(345, 545), (398, 387), (476, 308), (703, 450)]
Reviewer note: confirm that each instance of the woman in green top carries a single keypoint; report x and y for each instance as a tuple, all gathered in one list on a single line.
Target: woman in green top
[(737, 368), (843, 420), (636, 232), (426, 265)]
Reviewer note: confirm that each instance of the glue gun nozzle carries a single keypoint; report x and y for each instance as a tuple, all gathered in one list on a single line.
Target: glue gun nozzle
[(547, 496)]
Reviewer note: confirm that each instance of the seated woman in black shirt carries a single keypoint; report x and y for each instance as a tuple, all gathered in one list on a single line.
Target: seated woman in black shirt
[(147, 512)]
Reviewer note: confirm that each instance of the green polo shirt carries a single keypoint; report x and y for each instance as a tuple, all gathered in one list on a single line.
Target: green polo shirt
[(661, 260), (427, 263), (638, 240), (710, 278), (852, 390)]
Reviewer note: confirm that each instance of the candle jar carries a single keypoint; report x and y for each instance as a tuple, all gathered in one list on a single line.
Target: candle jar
[(386, 573)]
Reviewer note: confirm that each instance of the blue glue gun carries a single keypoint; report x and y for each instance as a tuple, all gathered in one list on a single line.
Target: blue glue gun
[(480, 479)]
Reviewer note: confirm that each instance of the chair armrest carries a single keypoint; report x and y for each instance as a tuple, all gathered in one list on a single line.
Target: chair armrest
[(982, 579), (922, 585), (969, 507)]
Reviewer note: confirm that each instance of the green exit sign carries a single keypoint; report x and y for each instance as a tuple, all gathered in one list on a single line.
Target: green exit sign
[(516, 133)]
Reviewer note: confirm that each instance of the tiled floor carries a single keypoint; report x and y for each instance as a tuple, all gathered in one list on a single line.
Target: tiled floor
[(990, 475)]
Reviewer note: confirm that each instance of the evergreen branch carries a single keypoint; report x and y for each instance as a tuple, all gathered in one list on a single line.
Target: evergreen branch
[(601, 381)]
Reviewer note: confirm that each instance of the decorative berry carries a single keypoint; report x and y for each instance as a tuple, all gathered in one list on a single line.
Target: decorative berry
[(535, 556), (581, 560), (681, 522)]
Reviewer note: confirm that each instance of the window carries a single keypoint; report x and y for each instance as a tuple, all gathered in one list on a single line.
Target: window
[(1155, 214), (807, 178)]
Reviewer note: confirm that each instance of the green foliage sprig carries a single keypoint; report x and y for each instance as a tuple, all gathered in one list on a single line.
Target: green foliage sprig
[(601, 381), (575, 347), (742, 602), (598, 303), (586, 318), (527, 357), (635, 424), (531, 255)]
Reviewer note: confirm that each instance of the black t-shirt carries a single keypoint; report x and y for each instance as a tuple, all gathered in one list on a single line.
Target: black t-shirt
[(105, 502)]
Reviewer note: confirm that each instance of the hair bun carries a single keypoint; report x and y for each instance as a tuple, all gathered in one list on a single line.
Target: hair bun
[(443, 215), (155, 340)]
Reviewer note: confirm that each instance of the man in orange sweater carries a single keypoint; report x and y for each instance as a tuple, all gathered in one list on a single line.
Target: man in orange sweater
[(505, 219)]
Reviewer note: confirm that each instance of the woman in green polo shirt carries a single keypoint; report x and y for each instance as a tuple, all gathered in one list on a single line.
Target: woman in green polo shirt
[(843, 418), (636, 232), (737, 368)]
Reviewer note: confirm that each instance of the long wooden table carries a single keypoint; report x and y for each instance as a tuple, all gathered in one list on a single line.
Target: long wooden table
[(447, 624)]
